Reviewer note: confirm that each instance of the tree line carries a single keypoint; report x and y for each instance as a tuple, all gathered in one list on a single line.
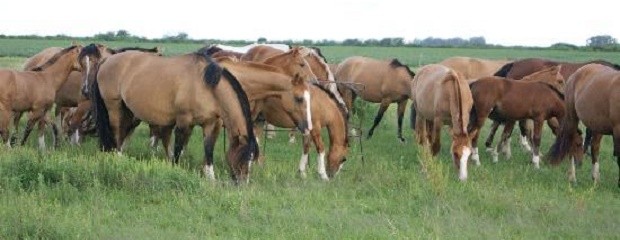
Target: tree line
[(599, 42)]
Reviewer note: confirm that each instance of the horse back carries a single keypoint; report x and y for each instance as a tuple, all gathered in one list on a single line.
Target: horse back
[(592, 94), (260, 53)]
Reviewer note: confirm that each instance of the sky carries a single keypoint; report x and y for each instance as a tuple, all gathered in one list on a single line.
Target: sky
[(524, 22)]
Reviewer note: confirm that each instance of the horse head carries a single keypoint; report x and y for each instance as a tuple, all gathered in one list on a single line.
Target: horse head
[(89, 59), (552, 76), (293, 63), (299, 108)]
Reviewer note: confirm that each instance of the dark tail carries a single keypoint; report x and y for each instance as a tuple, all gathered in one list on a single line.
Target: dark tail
[(412, 117), (104, 130), (566, 136), (587, 141), (503, 72)]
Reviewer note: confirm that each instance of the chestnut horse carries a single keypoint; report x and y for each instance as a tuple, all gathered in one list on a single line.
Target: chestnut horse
[(473, 68), (326, 112), (440, 96), (384, 82), (35, 91), (171, 92), (521, 68), (507, 101), (592, 98)]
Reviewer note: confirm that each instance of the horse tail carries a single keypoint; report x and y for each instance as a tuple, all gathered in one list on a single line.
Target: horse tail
[(104, 130), (568, 128), (213, 73), (456, 104), (412, 116), (503, 72)]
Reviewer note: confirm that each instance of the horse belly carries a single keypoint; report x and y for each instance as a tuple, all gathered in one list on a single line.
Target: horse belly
[(151, 110)]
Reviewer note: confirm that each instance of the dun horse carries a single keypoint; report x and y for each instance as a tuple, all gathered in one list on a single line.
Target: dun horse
[(384, 82), (538, 97), (473, 68), (521, 68), (326, 112), (441, 97), (179, 92), (591, 97), (35, 91)]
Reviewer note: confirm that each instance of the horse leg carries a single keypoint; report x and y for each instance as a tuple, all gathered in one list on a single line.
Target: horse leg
[(420, 130), (504, 140), (34, 117), (385, 103), (616, 134), (554, 124), (475, 134), (320, 149), (155, 133), (596, 146), (524, 135), (55, 130), (5, 119), (165, 134), (210, 133), (435, 136), (291, 136), (181, 137), (303, 162), (538, 123), (401, 112), (16, 118), (489, 142)]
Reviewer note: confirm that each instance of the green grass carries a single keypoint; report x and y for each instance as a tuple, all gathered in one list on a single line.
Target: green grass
[(395, 192)]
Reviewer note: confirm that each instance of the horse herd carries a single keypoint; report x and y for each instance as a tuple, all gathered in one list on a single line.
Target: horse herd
[(110, 91)]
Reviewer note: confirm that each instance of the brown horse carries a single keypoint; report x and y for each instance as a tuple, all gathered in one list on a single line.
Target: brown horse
[(326, 112), (441, 97), (473, 68), (591, 97), (35, 91), (89, 59), (506, 101), (174, 92), (521, 68), (384, 82)]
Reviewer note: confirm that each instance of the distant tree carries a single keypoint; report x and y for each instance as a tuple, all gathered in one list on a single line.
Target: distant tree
[(477, 41), (371, 42), (600, 41), (261, 40), (564, 46), (122, 34), (352, 42), (307, 42)]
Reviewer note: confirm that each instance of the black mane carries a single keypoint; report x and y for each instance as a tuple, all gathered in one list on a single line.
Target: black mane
[(318, 52), (120, 50), (53, 59), (606, 63), (395, 64), (503, 72)]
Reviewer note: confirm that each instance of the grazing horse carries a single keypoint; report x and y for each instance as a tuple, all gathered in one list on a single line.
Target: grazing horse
[(35, 91), (592, 98), (441, 97), (384, 82), (326, 112), (473, 68), (521, 68), (174, 92), (507, 101)]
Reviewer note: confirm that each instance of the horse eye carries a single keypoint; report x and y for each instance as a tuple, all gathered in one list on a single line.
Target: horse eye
[(299, 100)]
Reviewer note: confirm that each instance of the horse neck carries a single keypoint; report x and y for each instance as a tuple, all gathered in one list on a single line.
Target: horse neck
[(458, 110), (264, 84), (232, 108), (57, 73)]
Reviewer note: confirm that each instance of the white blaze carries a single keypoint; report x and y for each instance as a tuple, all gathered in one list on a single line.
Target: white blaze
[(308, 110), (463, 164)]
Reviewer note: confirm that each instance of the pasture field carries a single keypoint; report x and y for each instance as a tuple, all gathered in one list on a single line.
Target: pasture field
[(395, 192)]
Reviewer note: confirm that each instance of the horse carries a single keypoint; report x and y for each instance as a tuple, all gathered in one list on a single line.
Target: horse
[(89, 59), (591, 97), (326, 112), (35, 91), (384, 82), (473, 68), (182, 91), (440, 96), (214, 51), (507, 101), (521, 68)]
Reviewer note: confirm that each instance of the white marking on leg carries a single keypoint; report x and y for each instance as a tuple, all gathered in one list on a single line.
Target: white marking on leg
[(506, 149), (8, 143), (526, 144), (596, 175), (208, 171), (571, 171), (321, 166), (291, 138), (42, 142), (495, 155), (536, 161), (463, 164), (303, 163), (475, 156), (153, 140), (75, 138), (308, 112)]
